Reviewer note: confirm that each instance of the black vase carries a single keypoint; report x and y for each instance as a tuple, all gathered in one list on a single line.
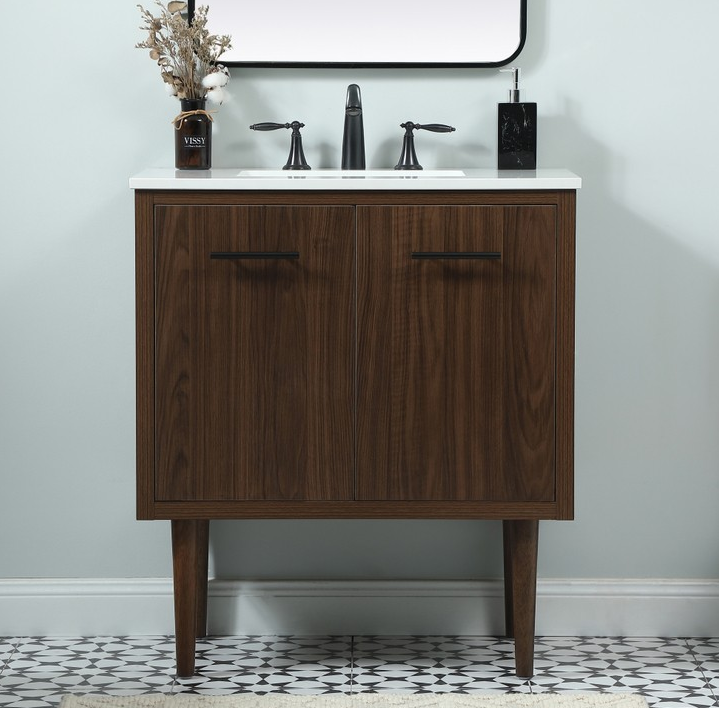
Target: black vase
[(193, 136)]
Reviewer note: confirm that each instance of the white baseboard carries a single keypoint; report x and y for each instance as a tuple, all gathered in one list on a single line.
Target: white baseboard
[(598, 607)]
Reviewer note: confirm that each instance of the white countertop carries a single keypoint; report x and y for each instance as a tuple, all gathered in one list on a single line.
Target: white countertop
[(387, 179)]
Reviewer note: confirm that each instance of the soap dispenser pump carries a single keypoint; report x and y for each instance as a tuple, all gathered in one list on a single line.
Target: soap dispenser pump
[(516, 130)]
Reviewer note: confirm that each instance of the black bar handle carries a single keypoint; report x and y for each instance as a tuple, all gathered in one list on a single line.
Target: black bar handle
[(457, 255), (435, 127), (254, 255), (269, 126)]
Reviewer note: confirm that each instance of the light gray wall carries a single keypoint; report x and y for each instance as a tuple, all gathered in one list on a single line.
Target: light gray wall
[(628, 99)]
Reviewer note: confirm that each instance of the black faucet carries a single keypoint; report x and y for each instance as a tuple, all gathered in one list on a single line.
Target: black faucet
[(408, 157), (296, 159), (353, 139)]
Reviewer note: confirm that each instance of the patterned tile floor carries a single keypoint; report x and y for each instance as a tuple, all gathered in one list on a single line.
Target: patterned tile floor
[(36, 671)]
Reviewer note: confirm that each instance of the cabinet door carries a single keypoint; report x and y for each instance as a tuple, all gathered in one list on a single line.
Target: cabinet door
[(254, 358), (456, 358)]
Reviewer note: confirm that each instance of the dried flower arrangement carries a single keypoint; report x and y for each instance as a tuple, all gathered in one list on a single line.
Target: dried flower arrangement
[(186, 52)]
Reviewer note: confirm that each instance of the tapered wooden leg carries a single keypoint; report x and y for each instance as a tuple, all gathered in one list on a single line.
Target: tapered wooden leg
[(522, 538), (189, 558)]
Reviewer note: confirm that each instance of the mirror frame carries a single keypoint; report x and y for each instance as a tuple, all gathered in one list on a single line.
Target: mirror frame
[(449, 63)]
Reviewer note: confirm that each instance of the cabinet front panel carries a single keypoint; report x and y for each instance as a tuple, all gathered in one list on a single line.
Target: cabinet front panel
[(254, 360), (456, 341), (530, 345)]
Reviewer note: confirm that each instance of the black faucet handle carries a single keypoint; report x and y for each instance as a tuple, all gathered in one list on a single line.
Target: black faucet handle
[(276, 126), (296, 159), (409, 126), (408, 157), (435, 127)]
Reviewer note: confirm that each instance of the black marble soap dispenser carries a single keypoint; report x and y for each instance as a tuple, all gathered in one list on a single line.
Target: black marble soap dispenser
[(516, 130)]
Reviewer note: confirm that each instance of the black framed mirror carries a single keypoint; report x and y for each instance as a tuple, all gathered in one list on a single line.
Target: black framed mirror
[(369, 33)]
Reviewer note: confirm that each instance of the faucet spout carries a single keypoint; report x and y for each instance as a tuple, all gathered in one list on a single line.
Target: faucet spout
[(353, 155)]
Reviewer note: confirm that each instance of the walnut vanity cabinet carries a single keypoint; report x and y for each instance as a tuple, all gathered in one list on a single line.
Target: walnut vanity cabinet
[(355, 354)]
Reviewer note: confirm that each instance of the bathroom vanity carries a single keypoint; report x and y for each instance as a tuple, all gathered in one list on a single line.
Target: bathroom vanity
[(355, 345)]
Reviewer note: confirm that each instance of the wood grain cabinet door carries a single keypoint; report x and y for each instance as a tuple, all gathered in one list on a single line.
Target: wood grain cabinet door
[(456, 353), (254, 352)]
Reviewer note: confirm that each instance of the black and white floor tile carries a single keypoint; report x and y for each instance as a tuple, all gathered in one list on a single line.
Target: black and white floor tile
[(35, 672)]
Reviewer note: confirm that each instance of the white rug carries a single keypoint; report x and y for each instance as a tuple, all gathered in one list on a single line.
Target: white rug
[(364, 700)]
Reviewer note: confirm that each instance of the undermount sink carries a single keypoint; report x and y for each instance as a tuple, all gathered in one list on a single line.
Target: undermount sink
[(352, 174)]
